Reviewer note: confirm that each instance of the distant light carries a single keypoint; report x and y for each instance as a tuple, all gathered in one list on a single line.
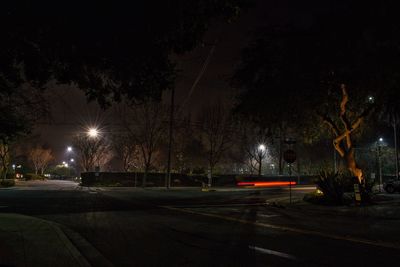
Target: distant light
[(64, 163), (380, 139), (371, 99), (93, 132), (13, 166), (69, 149), (72, 160), (261, 147)]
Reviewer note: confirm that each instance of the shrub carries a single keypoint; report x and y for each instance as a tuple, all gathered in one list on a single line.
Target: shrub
[(7, 182), (332, 186), (32, 176), (314, 198), (10, 175)]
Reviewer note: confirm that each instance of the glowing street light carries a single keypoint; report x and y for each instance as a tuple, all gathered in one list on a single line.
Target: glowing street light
[(72, 160), (261, 148), (93, 132), (371, 99), (69, 149), (261, 155)]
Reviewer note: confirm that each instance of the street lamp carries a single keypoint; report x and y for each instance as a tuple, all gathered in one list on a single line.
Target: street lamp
[(261, 154), (371, 99), (69, 149), (93, 132), (261, 148)]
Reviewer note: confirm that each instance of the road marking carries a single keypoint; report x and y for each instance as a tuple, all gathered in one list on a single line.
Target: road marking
[(2, 207), (273, 252), (292, 229)]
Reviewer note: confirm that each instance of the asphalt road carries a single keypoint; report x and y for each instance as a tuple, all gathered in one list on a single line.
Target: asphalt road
[(187, 227)]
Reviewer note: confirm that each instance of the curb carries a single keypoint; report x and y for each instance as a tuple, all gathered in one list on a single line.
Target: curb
[(91, 253), (71, 248)]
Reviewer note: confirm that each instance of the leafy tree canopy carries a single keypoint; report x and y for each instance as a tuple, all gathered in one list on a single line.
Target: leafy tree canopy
[(294, 71), (110, 49)]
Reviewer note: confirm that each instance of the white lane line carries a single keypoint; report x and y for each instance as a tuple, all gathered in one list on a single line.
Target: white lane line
[(273, 252)]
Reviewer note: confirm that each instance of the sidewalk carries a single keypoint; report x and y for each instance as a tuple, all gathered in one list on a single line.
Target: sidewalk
[(29, 241)]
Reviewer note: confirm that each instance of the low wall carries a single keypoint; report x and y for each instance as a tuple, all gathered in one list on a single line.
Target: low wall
[(158, 179), (136, 179)]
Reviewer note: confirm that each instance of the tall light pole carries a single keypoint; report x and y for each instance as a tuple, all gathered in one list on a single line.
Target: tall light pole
[(171, 126), (380, 142), (261, 153), (395, 145)]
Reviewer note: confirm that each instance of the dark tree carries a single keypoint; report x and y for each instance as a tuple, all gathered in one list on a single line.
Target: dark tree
[(304, 75), (111, 49), (215, 133), (145, 126)]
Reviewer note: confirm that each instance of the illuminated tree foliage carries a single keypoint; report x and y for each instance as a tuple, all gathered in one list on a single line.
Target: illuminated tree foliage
[(40, 158)]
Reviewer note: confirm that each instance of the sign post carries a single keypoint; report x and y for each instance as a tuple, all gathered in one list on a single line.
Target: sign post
[(290, 157)]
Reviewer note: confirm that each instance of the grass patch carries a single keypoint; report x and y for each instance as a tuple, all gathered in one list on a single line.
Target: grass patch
[(7, 183), (32, 176)]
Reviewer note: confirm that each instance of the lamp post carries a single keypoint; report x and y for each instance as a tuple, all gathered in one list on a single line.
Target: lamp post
[(379, 148), (261, 154), (395, 146)]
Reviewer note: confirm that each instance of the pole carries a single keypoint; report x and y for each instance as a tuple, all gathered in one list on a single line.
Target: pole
[(395, 146), (259, 165), (171, 124), (290, 183), (380, 168)]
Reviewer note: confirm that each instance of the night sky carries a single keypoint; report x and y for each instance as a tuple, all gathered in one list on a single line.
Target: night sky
[(70, 112)]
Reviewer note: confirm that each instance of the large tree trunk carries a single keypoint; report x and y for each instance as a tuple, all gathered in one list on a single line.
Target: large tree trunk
[(343, 142), (353, 167)]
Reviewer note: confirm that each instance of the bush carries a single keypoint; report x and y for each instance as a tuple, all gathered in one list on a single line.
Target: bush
[(332, 186), (10, 175), (320, 199), (7, 182), (32, 176), (314, 198)]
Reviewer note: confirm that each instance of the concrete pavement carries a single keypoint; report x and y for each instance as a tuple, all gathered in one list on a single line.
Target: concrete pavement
[(29, 241), (187, 227)]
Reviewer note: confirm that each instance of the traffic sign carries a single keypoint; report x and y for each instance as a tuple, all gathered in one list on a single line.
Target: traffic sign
[(289, 156)]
